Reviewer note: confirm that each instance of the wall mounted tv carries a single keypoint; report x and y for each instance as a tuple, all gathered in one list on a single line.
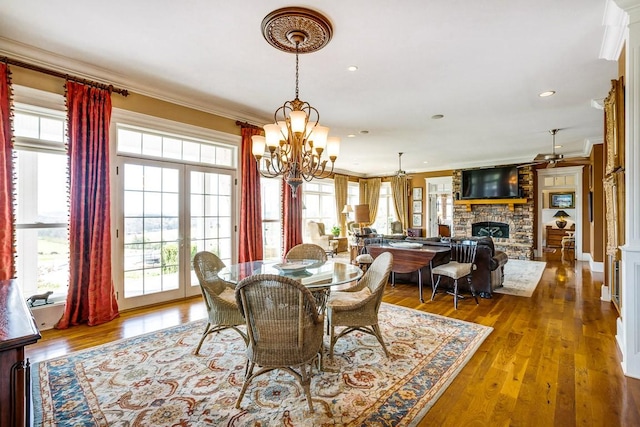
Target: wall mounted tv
[(490, 183)]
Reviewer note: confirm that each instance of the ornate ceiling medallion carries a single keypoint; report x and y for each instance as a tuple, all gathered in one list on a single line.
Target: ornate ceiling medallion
[(284, 27)]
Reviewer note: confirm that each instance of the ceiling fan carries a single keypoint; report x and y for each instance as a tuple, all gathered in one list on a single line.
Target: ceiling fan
[(400, 172), (553, 158)]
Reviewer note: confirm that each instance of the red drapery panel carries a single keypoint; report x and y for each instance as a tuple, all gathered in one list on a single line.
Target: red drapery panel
[(291, 218), (91, 298), (250, 237), (7, 229)]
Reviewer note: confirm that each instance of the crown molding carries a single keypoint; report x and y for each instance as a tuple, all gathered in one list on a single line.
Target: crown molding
[(62, 64), (615, 22), (631, 7)]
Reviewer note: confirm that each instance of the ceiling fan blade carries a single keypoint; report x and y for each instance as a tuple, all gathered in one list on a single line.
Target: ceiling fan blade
[(530, 164), (577, 160)]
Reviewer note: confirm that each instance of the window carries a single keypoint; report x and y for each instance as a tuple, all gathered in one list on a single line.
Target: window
[(271, 224), (319, 203), (42, 197), (353, 193), (386, 211), (148, 143)]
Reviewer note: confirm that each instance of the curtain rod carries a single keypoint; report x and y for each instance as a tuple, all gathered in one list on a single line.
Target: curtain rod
[(247, 125), (111, 88)]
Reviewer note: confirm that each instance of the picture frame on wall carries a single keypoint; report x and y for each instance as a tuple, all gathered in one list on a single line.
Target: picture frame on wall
[(417, 193), (417, 206), (417, 220), (562, 200)]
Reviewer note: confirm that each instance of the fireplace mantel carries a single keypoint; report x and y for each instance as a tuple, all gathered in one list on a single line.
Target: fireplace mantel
[(509, 202)]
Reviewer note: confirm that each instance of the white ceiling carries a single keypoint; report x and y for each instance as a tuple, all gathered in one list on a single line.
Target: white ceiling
[(481, 64)]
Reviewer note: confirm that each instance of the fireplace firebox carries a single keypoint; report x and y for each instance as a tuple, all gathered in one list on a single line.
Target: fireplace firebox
[(491, 229)]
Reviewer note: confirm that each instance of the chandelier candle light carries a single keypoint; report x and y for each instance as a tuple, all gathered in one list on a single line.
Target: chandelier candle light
[(294, 145)]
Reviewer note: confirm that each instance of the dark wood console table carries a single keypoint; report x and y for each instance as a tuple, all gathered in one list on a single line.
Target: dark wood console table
[(17, 329), (406, 260)]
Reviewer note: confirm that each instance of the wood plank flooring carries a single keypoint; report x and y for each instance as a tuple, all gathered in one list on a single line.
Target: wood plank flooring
[(551, 360)]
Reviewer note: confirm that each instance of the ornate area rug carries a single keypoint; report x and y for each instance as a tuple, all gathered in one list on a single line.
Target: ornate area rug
[(155, 380), (521, 277)]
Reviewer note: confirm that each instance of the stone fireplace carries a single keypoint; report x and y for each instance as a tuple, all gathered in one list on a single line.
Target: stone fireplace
[(510, 225)]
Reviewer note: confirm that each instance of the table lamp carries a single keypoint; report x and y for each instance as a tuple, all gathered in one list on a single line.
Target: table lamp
[(347, 210), (561, 222), (361, 214)]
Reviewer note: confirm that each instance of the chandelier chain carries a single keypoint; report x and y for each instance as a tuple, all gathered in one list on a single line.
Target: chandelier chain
[(297, 68)]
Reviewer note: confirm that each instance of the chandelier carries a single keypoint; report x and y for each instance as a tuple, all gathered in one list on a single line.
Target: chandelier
[(294, 145)]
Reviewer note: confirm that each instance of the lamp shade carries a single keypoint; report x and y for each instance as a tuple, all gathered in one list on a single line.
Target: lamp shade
[(347, 209), (361, 213)]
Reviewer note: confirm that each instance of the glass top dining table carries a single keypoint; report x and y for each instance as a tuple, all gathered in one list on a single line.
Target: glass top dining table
[(310, 273)]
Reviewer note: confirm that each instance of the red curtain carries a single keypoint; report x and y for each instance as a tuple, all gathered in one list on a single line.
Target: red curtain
[(7, 229), (91, 298), (291, 218), (250, 248)]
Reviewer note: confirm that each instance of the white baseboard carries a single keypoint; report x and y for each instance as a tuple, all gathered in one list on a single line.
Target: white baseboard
[(605, 293), (46, 316), (596, 267)]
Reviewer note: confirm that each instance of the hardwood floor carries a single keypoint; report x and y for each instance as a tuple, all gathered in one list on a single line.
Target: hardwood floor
[(550, 361)]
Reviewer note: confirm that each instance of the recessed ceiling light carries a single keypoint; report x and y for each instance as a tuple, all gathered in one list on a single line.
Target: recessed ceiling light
[(437, 116), (351, 135), (557, 146), (425, 162), (546, 93), (364, 132), (352, 68)]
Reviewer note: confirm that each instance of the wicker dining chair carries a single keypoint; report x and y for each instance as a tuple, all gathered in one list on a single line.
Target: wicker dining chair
[(357, 307), (462, 264), (284, 328), (219, 297), (307, 251)]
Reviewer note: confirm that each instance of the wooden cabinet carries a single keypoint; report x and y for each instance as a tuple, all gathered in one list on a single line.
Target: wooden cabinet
[(17, 329), (555, 235), (414, 232)]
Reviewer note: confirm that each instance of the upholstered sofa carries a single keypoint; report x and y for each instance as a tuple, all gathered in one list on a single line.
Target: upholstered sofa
[(489, 272)]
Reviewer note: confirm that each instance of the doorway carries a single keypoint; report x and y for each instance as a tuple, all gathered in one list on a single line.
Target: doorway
[(560, 189), (168, 212), (439, 213)]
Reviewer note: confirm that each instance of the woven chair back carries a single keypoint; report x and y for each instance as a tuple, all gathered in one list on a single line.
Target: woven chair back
[(282, 320), (377, 276), (206, 266), (307, 251)]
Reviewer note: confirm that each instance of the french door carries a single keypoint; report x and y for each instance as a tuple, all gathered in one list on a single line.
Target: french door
[(167, 212)]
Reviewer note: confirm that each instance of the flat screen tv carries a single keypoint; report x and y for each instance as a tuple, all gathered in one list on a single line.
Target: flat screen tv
[(490, 183)]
